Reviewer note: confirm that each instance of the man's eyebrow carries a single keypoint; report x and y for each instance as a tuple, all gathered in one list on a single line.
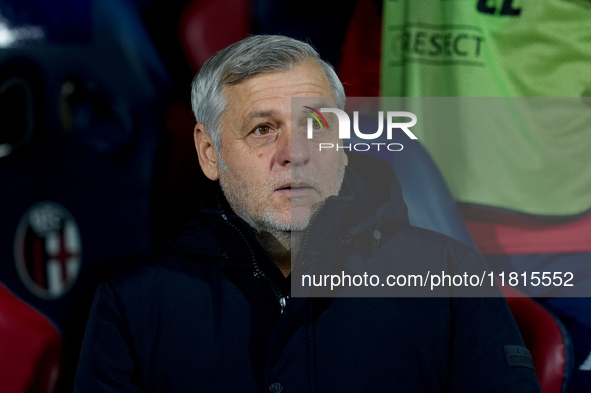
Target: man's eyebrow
[(261, 114)]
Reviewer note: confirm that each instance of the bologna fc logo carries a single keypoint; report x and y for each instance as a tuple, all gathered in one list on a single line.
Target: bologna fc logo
[(48, 250)]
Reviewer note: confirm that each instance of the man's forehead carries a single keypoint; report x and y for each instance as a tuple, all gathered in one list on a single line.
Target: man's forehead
[(305, 79), (297, 103)]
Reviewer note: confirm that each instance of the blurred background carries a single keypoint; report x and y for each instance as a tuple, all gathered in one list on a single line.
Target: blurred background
[(96, 143)]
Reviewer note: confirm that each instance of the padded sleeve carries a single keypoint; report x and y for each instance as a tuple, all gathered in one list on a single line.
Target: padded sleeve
[(488, 353)]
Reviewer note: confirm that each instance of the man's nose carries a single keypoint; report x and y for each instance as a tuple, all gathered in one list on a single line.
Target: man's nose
[(295, 148)]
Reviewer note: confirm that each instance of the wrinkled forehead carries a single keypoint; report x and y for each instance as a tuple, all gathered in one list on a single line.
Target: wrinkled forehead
[(264, 91), (234, 73)]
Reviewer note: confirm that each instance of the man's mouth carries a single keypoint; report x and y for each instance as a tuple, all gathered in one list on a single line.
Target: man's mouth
[(295, 189)]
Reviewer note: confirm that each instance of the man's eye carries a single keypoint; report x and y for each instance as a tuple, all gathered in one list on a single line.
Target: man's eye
[(262, 130), (316, 125)]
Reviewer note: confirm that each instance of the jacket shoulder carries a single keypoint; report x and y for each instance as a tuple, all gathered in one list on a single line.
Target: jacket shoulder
[(157, 273), (425, 242)]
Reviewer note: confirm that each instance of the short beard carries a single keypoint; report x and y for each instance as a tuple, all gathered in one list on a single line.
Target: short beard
[(281, 236), (262, 220)]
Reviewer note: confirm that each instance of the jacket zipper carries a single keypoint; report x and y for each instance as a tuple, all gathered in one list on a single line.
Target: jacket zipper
[(257, 269), (304, 245)]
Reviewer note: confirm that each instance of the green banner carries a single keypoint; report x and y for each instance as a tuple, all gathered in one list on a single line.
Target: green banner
[(528, 156)]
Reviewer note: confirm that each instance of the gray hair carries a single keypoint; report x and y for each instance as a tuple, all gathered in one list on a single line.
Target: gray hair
[(242, 60)]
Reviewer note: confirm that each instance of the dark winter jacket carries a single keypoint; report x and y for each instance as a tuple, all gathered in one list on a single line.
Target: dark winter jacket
[(205, 315)]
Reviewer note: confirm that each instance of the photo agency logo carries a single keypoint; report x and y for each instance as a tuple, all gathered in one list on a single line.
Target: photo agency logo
[(317, 121)]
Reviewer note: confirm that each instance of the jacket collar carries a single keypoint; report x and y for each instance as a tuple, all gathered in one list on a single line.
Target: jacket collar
[(370, 200)]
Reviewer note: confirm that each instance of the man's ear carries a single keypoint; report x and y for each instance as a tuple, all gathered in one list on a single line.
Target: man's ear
[(208, 157)]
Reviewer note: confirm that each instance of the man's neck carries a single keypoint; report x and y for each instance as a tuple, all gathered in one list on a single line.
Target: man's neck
[(279, 246)]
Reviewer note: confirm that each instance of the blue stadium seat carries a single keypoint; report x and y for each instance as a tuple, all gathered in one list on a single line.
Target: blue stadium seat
[(83, 99)]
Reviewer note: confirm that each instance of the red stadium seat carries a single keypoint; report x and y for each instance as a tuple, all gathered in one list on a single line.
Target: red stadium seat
[(363, 41), (210, 25), (544, 337), (30, 348)]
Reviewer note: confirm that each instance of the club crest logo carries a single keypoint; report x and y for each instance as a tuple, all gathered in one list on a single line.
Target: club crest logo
[(48, 250)]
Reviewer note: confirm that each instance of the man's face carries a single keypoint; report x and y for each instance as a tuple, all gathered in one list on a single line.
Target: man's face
[(273, 176)]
